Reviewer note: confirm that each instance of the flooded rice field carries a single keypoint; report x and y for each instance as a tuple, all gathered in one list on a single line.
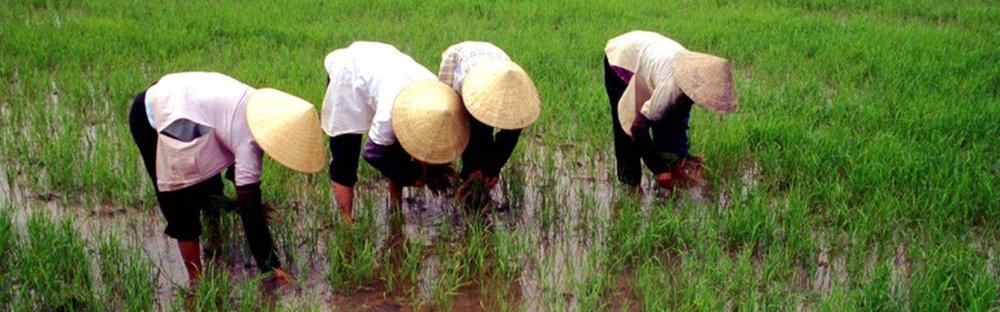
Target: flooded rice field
[(562, 242), (552, 230)]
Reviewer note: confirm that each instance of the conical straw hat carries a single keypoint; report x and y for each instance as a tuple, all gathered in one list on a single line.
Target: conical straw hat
[(287, 129), (430, 122), (500, 94), (707, 79)]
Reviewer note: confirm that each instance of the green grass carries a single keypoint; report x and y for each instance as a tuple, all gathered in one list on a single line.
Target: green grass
[(9, 255), (53, 269), (864, 148), (352, 254), (128, 278)]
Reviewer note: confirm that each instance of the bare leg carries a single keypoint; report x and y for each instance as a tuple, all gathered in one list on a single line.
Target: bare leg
[(191, 254), (344, 195), (395, 195)]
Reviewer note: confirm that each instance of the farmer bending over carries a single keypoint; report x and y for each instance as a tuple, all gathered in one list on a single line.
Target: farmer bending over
[(651, 83), (190, 126), (416, 125), (498, 94)]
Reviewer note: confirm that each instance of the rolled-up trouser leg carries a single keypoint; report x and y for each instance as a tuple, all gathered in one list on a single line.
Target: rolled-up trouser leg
[(344, 152)]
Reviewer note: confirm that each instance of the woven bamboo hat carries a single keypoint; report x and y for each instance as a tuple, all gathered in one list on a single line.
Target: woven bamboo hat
[(430, 122), (500, 94), (707, 79), (286, 128)]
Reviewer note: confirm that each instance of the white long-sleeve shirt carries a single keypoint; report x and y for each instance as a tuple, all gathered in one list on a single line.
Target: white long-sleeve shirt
[(645, 57), (365, 78)]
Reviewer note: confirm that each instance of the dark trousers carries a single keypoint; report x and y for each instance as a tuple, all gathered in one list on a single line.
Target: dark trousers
[(669, 133), (183, 208), (487, 152)]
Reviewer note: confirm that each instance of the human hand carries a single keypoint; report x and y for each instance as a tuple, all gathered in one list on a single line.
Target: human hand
[(490, 182), (282, 277), (665, 180), (691, 170), (440, 178), (476, 175)]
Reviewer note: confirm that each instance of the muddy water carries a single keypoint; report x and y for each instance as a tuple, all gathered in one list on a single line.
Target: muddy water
[(555, 261), (560, 219), (5, 192), (143, 229), (137, 229), (24, 201)]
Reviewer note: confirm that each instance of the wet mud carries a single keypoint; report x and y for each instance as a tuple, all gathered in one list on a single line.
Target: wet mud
[(560, 219)]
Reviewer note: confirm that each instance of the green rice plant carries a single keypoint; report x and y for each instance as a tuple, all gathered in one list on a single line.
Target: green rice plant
[(474, 250), (127, 277), (352, 255), (213, 292), (388, 273), (50, 282), (250, 297), (448, 280), (217, 290), (652, 286), (695, 289), (508, 253), (628, 218), (496, 293), (952, 276), (409, 270), (9, 254), (593, 284), (874, 294), (868, 123), (513, 180), (636, 235), (311, 303), (309, 234), (287, 226), (752, 224)]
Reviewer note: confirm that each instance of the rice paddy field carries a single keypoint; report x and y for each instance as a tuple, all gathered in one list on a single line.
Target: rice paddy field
[(859, 172)]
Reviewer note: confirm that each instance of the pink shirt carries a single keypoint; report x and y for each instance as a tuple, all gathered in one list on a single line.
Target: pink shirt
[(202, 126)]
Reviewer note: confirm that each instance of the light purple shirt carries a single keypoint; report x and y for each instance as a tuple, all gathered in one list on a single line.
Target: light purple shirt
[(201, 121)]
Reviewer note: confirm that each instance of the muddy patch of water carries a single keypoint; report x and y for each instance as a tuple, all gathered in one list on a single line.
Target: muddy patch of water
[(901, 272), (559, 222), (5, 187), (830, 271)]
